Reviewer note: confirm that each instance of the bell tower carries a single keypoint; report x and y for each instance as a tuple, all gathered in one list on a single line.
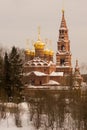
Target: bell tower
[(63, 55)]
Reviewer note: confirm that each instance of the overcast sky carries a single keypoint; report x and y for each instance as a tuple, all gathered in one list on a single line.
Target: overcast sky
[(19, 20)]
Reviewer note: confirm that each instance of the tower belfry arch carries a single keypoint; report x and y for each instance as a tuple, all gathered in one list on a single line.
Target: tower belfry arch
[(63, 55)]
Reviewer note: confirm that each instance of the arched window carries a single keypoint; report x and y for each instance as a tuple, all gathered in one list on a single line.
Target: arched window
[(62, 37), (62, 62), (62, 31), (45, 64), (32, 64), (62, 47), (39, 64)]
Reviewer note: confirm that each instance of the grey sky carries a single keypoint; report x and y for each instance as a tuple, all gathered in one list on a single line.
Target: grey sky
[(19, 20)]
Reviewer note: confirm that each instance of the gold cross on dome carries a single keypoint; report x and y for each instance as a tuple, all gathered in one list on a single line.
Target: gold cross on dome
[(63, 5), (39, 33)]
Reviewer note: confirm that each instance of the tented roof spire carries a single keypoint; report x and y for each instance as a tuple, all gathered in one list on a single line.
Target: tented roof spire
[(63, 21)]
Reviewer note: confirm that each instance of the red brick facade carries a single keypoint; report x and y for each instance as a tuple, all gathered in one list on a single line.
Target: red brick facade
[(39, 67)]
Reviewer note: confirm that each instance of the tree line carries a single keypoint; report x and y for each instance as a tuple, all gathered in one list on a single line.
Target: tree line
[(11, 67), (58, 111)]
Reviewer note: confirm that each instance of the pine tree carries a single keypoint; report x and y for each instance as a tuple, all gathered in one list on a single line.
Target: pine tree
[(1, 73), (1, 62), (16, 72), (7, 71)]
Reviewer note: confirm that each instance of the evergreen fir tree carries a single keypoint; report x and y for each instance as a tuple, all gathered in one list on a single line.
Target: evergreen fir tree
[(7, 72), (1, 74), (16, 72)]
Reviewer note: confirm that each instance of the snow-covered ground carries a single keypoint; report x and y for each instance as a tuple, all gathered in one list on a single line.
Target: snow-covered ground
[(8, 123), (8, 120)]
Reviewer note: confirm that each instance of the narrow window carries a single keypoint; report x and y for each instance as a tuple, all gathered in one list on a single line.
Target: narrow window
[(62, 62), (40, 83), (62, 47)]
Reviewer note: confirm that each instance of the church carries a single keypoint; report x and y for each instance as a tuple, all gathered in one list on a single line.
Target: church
[(40, 68)]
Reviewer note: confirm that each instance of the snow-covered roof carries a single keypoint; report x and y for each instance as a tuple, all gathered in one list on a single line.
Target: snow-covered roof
[(63, 66), (48, 87), (52, 82), (37, 73), (59, 88), (38, 62), (63, 52), (36, 87), (63, 28), (56, 74)]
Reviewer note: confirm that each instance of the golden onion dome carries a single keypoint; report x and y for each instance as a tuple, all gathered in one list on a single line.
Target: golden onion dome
[(51, 53), (32, 53), (46, 52), (27, 52), (39, 45)]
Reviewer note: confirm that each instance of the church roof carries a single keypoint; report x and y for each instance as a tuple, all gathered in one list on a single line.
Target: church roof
[(64, 66), (38, 62), (37, 73), (56, 74), (63, 22), (52, 82)]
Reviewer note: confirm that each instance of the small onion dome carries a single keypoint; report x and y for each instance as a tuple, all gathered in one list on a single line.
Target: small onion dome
[(32, 53), (46, 52), (51, 53), (39, 45), (27, 52)]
